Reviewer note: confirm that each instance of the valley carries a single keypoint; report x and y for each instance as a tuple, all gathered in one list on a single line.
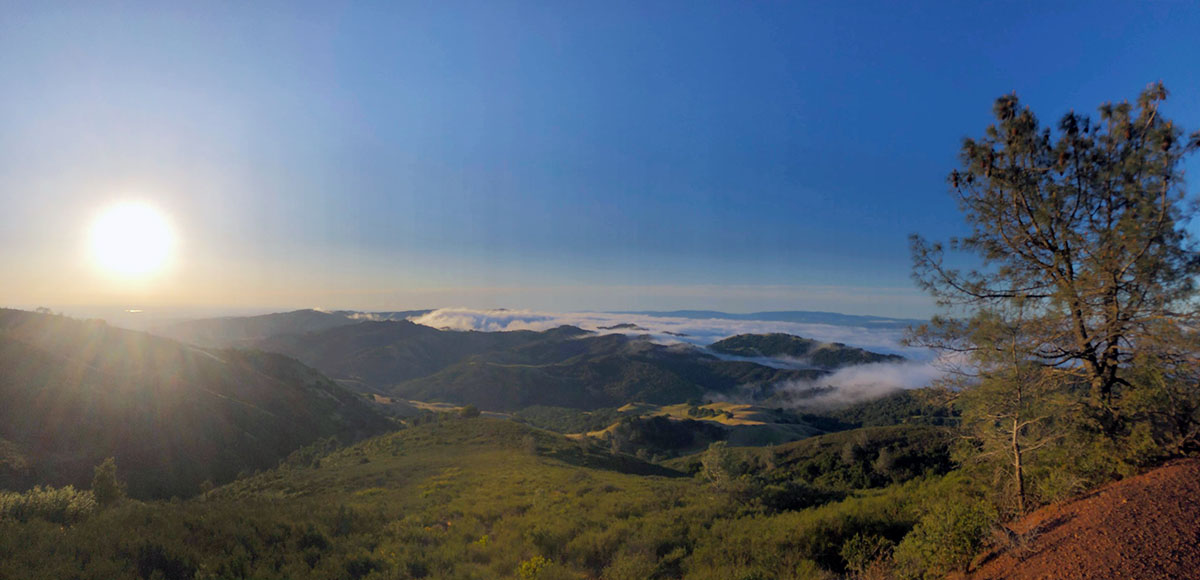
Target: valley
[(432, 453)]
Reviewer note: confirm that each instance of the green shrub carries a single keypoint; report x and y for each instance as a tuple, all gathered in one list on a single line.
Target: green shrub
[(105, 486), (945, 539), (865, 551), (64, 505), (531, 568)]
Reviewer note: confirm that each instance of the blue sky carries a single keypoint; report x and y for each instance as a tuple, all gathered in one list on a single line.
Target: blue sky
[(569, 155)]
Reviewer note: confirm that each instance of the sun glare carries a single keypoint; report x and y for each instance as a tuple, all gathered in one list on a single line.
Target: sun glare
[(131, 240)]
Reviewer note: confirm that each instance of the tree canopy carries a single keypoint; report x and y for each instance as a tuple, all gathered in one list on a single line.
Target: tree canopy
[(1085, 293), (1083, 226)]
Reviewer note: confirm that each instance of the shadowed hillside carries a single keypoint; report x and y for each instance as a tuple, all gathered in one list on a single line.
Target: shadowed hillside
[(244, 330), (593, 372), (819, 354), (76, 392), (565, 366), (377, 355)]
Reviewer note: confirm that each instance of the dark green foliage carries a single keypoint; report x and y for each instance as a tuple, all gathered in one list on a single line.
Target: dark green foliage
[(907, 407), (865, 553), (859, 459), (310, 455), (64, 505), (566, 420), (155, 561), (105, 485), (660, 436), (945, 539), (820, 354)]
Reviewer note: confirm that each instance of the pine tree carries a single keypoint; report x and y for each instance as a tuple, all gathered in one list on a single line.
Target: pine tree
[(105, 485), (1084, 228)]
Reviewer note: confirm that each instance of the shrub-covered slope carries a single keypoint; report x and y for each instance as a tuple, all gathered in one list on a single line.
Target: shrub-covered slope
[(75, 392), (471, 498)]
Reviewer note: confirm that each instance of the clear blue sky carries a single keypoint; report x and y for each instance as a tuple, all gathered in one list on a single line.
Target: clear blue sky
[(561, 155)]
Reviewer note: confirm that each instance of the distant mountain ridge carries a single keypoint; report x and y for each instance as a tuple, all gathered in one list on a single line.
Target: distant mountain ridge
[(386, 354), (245, 330), (561, 367), (593, 372), (75, 392), (830, 355), (797, 316)]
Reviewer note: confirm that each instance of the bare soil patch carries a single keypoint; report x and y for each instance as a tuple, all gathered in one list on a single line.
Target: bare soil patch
[(1143, 528)]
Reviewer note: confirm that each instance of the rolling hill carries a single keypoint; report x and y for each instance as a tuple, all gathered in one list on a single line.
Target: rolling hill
[(506, 371), (827, 355), (240, 330), (173, 415), (245, 330), (374, 356)]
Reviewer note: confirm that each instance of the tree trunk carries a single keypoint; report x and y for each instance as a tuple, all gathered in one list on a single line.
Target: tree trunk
[(1018, 473)]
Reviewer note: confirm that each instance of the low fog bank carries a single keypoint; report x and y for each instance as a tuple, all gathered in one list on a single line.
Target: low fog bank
[(842, 387), (859, 383)]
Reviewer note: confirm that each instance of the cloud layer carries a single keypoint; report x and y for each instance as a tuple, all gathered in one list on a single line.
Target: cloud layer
[(845, 386), (861, 383), (663, 329)]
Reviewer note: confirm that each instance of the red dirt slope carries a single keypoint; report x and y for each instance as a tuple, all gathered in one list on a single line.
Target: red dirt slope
[(1142, 528)]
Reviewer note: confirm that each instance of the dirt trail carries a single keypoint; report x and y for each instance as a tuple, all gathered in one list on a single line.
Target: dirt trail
[(1142, 528)]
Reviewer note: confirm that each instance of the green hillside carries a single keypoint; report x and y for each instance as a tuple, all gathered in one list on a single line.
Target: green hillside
[(378, 355), (870, 457), (593, 372), (508, 371), (76, 392), (820, 354), (473, 498)]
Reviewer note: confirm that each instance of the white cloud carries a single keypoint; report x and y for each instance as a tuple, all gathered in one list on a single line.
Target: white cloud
[(667, 329), (845, 386), (862, 383)]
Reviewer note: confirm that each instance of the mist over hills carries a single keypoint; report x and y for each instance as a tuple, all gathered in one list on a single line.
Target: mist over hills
[(595, 371), (816, 353), (565, 366), (797, 316), (173, 415), (700, 327)]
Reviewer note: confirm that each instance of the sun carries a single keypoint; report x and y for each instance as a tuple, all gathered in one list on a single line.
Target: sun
[(131, 240)]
